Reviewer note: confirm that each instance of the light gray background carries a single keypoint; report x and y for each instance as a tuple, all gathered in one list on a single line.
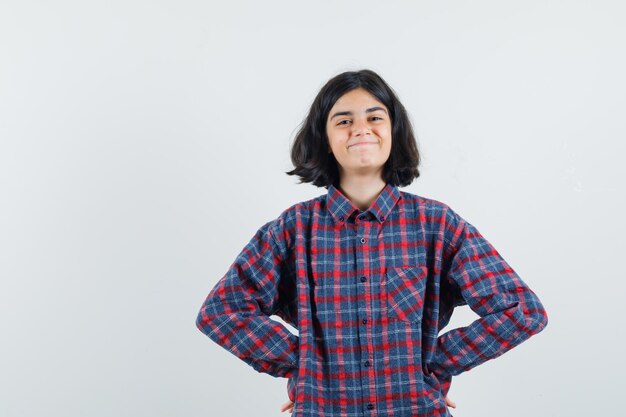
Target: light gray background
[(144, 142)]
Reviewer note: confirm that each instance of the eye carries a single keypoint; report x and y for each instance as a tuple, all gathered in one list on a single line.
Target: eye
[(343, 122), (376, 118)]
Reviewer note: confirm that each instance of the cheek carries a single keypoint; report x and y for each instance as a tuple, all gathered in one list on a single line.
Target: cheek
[(336, 137), (331, 133), (385, 133), (389, 129), (388, 140)]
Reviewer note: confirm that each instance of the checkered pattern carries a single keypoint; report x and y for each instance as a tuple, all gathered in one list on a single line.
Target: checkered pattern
[(369, 292)]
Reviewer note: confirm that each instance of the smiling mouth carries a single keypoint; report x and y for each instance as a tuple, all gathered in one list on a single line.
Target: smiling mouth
[(362, 143)]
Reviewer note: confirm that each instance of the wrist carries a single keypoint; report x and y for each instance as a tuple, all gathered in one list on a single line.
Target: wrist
[(291, 384)]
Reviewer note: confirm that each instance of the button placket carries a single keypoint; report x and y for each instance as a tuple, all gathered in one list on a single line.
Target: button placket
[(364, 263)]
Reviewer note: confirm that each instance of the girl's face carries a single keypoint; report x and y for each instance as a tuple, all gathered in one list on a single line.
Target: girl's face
[(359, 133)]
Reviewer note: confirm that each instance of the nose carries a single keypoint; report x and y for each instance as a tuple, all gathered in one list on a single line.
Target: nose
[(360, 127)]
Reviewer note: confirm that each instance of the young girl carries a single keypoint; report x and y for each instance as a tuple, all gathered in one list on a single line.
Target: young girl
[(368, 274)]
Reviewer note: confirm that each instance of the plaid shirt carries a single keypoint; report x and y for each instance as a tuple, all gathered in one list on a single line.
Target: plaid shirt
[(369, 292)]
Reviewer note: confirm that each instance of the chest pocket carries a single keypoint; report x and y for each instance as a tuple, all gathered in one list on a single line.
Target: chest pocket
[(405, 287)]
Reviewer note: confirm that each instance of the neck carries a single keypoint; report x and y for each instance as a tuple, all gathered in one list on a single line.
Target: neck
[(362, 191)]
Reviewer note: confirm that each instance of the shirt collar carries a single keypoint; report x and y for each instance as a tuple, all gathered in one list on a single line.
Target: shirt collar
[(341, 208)]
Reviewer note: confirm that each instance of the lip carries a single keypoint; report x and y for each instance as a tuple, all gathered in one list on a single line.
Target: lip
[(362, 143)]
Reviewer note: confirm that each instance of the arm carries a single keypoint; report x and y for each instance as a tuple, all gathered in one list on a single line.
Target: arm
[(477, 275), (236, 312)]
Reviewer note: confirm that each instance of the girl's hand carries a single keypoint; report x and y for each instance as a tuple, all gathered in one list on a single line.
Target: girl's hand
[(288, 406), (449, 402)]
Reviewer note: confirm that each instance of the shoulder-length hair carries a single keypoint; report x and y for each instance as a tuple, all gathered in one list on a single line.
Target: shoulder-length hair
[(309, 153)]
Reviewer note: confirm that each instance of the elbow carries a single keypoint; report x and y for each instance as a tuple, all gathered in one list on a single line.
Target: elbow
[(199, 321), (536, 320), (535, 317), (206, 315), (202, 320), (209, 318)]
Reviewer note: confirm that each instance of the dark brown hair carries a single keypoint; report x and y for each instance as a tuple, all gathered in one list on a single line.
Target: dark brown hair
[(309, 153)]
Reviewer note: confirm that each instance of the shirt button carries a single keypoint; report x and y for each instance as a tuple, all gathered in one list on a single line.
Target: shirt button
[(341, 218), (363, 279), (364, 321), (370, 406), (362, 240), (367, 363)]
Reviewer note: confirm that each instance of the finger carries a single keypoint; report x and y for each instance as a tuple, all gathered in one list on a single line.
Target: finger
[(287, 406), (450, 403)]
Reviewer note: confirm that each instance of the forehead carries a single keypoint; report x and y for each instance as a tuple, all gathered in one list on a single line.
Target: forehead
[(358, 98)]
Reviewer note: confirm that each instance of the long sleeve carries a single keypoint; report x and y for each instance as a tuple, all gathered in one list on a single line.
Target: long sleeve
[(474, 273), (236, 312)]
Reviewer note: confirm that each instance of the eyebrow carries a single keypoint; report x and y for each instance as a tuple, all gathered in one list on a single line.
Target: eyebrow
[(349, 113)]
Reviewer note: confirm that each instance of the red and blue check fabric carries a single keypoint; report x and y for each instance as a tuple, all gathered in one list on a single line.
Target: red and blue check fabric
[(369, 292)]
